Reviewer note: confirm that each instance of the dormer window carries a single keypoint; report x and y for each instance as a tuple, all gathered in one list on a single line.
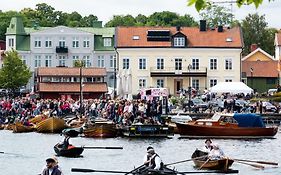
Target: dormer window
[(179, 41)]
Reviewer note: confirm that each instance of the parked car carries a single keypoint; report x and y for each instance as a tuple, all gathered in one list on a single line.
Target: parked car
[(270, 92), (196, 105), (268, 107)]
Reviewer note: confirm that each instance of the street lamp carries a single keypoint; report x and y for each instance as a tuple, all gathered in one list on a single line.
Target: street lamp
[(189, 86)]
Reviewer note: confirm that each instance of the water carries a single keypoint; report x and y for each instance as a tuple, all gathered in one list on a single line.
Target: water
[(25, 153)]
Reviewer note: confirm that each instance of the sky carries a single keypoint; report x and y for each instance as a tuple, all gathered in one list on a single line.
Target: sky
[(105, 9)]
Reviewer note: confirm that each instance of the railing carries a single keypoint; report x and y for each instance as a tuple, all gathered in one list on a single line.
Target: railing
[(61, 49)]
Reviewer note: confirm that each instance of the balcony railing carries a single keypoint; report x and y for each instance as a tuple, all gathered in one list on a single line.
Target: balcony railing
[(178, 71), (61, 49)]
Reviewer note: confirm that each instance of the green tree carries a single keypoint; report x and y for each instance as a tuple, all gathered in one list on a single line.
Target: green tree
[(201, 4), (14, 72), (87, 21), (121, 20), (141, 20), (5, 18), (217, 15), (79, 63), (255, 31)]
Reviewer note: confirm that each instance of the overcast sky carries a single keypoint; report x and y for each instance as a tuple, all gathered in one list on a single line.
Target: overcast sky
[(105, 9)]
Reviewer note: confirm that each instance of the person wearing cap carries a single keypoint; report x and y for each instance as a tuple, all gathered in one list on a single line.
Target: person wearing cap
[(208, 146), (51, 167), (151, 159), (216, 153)]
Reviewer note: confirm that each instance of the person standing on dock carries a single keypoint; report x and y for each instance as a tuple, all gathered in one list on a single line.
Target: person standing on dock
[(152, 160)]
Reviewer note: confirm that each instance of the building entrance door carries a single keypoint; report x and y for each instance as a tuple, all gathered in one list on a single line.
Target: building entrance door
[(178, 86)]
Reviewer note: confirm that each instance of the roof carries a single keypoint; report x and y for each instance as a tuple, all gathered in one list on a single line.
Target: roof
[(279, 38), (16, 27), (70, 71), (72, 87), (105, 32), (255, 51), (209, 38), (260, 68)]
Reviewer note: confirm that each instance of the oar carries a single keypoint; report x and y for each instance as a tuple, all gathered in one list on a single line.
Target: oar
[(135, 169), (211, 171), (1, 152), (97, 171), (255, 161), (185, 160), (253, 165), (204, 164), (102, 147)]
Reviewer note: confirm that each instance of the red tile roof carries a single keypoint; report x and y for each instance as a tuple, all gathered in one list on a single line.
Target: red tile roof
[(260, 68), (72, 87), (70, 71), (209, 38)]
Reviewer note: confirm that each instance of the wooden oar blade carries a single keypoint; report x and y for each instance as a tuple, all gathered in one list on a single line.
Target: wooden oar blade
[(82, 170), (257, 161), (102, 147), (251, 164)]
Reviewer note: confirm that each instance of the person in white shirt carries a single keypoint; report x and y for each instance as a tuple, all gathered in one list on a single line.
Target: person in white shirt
[(208, 146), (216, 153), (151, 159)]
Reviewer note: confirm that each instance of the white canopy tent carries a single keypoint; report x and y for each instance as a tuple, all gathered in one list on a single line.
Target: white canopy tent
[(232, 88)]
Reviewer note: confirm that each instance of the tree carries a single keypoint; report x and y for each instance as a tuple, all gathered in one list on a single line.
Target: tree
[(217, 15), (14, 72), (121, 20), (5, 18), (79, 63), (255, 31), (201, 4)]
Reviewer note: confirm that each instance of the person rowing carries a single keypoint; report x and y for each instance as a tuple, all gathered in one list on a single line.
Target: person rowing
[(216, 153), (208, 146), (152, 160), (52, 167)]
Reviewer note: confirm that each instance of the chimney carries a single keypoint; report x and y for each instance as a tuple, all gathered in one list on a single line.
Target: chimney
[(203, 25), (178, 28), (220, 29), (253, 47)]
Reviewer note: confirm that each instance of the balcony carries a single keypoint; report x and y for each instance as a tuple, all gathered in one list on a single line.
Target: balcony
[(61, 49), (172, 72)]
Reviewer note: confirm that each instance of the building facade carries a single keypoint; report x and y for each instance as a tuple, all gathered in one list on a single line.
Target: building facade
[(62, 46), (260, 70), (64, 82), (177, 58)]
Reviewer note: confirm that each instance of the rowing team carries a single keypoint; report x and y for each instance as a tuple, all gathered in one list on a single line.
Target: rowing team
[(213, 150)]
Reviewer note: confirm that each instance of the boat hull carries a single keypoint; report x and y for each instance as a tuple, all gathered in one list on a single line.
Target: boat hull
[(51, 125), (189, 129), (147, 131), (101, 129), (71, 152), (163, 171), (20, 128)]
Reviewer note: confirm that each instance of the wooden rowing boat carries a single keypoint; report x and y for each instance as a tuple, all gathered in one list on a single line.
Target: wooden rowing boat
[(2, 127), (147, 171), (37, 119), (19, 128), (221, 164), (105, 129), (9, 126), (232, 125), (70, 152), (51, 125)]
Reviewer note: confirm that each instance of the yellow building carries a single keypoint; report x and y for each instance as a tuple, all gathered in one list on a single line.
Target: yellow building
[(177, 57)]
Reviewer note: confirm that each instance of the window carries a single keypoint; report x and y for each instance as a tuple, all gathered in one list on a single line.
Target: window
[(48, 61), (86, 43), (37, 61), (178, 64), (160, 83), (160, 63), (142, 83), (112, 61), (11, 42), (62, 42), (56, 79), (106, 42), (213, 82), (270, 81), (228, 64), (74, 59), (37, 42), (62, 60), (86, 60), (195, 83), (142, 63), (46, 79), (75, 42), (100, 61), (23, 58), (126, 63), (228, 80), (195, 63), (179, 41), (48, 43), (213, 64)]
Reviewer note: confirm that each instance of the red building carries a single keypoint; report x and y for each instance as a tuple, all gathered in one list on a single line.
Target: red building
[(64, 82)]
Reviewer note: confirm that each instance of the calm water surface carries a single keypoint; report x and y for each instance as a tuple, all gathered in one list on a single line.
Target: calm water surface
[(25, 153)]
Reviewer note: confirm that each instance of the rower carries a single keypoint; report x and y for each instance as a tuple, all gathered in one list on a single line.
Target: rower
[(65, 143), (216, 153), (152, 160), (51, 167), (208, 146)]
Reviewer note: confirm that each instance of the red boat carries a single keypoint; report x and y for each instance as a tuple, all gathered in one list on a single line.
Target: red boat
[(227, 126), (104, 129)]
